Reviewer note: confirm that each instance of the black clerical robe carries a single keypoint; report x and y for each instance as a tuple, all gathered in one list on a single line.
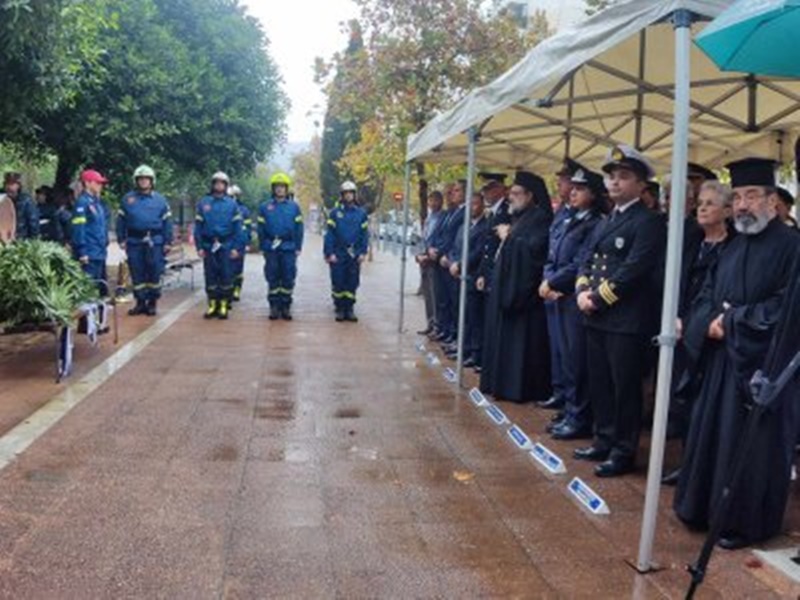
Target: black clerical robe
[(747, 284), (517, 356)]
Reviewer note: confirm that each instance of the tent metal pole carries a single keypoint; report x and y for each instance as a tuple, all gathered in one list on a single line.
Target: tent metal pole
[(462, 299), (682, 21), (404, 253)]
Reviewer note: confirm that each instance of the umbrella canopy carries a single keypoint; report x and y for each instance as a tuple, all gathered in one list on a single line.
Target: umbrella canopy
[(755, 36)]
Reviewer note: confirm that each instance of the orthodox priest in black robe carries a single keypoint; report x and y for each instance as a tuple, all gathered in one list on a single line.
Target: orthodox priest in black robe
[(728, 332), (517, 355)]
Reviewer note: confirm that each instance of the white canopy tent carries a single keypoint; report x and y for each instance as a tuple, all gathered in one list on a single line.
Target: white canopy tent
[(627, 75), (611, 80)]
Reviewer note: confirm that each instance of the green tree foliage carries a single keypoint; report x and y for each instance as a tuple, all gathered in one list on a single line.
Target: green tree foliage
[(341, 127), (48, 50), (595, 6), (419, 58), (185, 85), (306, 173)]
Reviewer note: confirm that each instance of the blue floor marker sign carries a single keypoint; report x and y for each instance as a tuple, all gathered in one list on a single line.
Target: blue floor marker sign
[(496, 415), (588, 497), (478, 399), (548, 459), (520, 438), (450, 375), (433, 360)]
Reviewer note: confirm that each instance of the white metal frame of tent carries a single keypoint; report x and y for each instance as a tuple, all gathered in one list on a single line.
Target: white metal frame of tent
[(607, 81)]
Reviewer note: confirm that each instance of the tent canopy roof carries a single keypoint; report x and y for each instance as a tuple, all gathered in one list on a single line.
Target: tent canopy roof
[(610, 80)]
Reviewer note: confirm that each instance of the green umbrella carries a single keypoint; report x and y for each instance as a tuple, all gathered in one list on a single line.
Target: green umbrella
[(755, 36)]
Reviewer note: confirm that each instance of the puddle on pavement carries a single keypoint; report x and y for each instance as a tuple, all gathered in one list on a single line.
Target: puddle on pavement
[(224, 453), (46, 476), (347, 413), (292, 454), (280, 410)]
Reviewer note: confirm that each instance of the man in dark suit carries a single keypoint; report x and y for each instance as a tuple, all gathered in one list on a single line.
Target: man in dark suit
[(614, 290), (447, 289), (497, 213), (478, 230)]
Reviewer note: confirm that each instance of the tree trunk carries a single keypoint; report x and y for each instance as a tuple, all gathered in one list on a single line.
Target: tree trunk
[(65, 171)]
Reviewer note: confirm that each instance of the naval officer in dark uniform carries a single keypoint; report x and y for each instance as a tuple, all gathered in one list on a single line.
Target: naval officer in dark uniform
[(614, 289)]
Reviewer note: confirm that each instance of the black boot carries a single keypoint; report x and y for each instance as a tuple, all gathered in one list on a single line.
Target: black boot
[(139, 309), (350, 315), (152, 308), (274, 313), (286, 313), (339, 315)]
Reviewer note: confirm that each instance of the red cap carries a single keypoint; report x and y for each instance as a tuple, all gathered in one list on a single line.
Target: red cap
[(92, 176)]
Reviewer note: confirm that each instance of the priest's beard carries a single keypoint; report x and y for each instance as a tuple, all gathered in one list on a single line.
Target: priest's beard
[(751, 224)]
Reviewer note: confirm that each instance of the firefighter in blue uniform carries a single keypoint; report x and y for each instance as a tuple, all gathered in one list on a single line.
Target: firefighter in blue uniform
[(89, 232), (247, 238), (280, 235), (144, 230), (217, 235), (346, 246)]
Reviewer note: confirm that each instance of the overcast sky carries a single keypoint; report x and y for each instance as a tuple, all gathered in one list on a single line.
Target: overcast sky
[(301, 30)]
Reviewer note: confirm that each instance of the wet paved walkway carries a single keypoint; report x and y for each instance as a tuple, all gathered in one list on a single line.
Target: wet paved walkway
[(250, 459)]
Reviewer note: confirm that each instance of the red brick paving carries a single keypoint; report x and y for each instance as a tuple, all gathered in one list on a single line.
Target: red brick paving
[(312, 459)]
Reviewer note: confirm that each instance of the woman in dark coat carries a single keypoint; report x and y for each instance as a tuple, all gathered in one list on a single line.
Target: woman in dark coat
[(517, 357)]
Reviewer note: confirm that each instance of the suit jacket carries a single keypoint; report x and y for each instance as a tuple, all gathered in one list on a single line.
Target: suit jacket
[(492, 243), (477, 237), (624, 252)]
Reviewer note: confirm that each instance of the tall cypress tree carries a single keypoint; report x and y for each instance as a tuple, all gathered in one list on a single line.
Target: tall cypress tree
[(340, 128)]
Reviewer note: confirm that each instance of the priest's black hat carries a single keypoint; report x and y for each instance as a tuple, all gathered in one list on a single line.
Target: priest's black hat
[(534, 184), (701, 171), (752, 171)]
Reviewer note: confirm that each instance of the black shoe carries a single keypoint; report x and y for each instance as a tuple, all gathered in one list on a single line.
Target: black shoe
[(570, 432), (591, 453), (733, 541), (339, 316), (427, 331), (614, 467), (350, 316), (286, 314), (274, 313), (469, 363), (139, 309), (152, 308), (477, 369), (671, 479), (553, 403), (555, 424), (438, 337)]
